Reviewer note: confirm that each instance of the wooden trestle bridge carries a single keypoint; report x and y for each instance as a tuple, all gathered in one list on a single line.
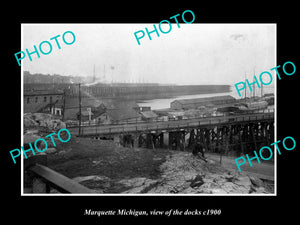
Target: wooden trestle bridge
[(239, 134)]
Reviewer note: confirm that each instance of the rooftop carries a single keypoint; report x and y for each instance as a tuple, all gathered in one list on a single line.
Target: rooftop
[(42, 92), (149, 114), (201, 100), (122, 114)]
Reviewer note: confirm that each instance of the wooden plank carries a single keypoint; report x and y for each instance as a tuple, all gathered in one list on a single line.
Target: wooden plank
[(59, 181)]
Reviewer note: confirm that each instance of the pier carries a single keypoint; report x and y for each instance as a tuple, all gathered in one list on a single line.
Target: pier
[(217, 133)]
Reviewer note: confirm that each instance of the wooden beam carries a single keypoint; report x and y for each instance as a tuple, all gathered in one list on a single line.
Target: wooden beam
[(58, 181)]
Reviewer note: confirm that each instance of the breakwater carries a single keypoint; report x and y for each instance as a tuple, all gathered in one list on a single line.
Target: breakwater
[(137, 91)]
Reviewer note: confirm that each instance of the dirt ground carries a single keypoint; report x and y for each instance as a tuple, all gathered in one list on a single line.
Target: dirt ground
[(84, 157), (102, 166)]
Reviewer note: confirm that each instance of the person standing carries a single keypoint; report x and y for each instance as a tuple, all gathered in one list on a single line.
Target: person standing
[(199, 148)]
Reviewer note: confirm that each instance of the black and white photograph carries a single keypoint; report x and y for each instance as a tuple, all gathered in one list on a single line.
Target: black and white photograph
[(134, 114), (162, 117)]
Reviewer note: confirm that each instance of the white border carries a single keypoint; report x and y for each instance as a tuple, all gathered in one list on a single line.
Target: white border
[(22, 117), (195, 195)]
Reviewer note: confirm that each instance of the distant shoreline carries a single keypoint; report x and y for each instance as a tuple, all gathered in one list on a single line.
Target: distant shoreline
[(125, 91)]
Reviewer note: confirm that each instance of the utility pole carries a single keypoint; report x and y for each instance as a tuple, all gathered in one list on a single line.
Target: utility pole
[(253, 91), (254, 85), (64, 105), (245, 89), (261, 90), (79, 98)]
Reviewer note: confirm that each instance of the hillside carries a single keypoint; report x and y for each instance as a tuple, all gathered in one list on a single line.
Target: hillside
[(102, 166)]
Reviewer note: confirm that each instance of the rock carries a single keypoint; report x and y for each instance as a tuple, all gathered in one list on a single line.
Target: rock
[(261, 190), (218, 191), (52, 124), (197, 182), (256, 181), (207, 187), (32, 132), (211, 161), (91, 178), (218, 178), (189, 190), (51, 150), (29, 122), (30, 138), (243, 181), (230, 178), (134, 182), (41, 116), (230, 188), (258, 190), (138, 184), (43, 120)]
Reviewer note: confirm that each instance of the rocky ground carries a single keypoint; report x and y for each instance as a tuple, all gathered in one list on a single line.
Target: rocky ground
[(106, 168), (101, 166), (182, 173)]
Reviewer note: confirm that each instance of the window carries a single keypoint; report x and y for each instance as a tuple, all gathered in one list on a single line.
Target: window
[(50, 98), (28, 100), (45, 99), (36, 99)]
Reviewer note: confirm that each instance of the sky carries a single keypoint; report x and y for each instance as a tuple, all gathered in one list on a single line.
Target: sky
[(192, 54)]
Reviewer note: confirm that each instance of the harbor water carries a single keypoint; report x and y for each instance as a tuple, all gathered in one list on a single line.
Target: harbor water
[(164, 103)]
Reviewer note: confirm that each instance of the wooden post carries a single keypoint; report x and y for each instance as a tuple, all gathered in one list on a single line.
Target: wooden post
[(253, 136), (161, 139), (203, 138), (193, 137), (152, 141), (217, 142)]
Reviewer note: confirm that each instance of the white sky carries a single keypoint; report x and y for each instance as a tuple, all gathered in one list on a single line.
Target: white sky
[(191, 54)]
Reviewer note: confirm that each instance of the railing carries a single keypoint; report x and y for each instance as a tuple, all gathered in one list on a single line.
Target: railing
[(169, 125), (42, 178), (154, 120)]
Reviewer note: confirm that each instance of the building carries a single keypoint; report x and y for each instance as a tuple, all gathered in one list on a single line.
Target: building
[(86, 115), (200, 102), (41, 100), (57, 108), (149, 116), (124, 115)]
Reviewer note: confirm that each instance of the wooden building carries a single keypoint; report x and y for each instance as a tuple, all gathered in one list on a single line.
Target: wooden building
[(200, 102), (112, 116), (37, 100), (149, 116)]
